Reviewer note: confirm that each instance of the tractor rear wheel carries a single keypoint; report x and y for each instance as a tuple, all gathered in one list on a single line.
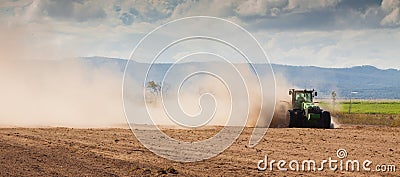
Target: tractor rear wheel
[(326, 119)]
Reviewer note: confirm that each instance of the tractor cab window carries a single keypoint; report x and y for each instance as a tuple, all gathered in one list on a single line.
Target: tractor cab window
[(303, 97)]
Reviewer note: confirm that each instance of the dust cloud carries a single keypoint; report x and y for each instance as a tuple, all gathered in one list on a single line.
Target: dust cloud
[(60, 91), (65, 91), (59, 94), (282, 102), (237, 99)]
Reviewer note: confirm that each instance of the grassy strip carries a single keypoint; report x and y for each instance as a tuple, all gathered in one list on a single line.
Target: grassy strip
[(365, 107), (368, 107), (386, 113)]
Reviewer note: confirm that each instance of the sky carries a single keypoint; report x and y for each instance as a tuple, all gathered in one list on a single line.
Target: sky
[(326, 33)]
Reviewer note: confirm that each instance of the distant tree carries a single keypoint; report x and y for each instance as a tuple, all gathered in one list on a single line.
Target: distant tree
[(154, 87)]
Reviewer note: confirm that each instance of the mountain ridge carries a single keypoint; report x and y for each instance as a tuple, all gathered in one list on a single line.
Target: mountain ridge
[(312, 66), (369, 81)]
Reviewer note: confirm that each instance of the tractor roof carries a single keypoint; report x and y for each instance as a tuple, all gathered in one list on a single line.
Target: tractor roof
[(305, 90)]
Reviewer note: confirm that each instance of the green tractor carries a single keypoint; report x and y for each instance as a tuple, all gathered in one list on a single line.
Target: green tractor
[(305, 113)]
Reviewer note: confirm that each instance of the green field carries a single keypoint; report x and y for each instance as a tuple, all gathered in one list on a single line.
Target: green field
[(365, 112), (371, 107), (364, 107)]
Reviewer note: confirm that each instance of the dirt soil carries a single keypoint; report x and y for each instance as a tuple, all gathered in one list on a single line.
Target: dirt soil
[(116, 152)]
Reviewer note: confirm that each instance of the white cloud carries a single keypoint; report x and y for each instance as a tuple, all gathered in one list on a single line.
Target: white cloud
[(392, 19), (390, 4), (299, 32), (206, 7), (307, 5), (392, 10), (260, 7)]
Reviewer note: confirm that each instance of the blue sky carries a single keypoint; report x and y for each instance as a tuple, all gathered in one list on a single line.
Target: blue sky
[(329, 33)]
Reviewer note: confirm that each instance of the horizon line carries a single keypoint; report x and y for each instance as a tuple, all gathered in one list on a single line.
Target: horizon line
[(354, 66)]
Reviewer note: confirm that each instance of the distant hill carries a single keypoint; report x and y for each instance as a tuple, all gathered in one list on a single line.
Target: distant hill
[(368, 81)]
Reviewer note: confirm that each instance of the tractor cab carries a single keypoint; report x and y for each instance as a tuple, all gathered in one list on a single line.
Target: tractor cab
[(301, 96)]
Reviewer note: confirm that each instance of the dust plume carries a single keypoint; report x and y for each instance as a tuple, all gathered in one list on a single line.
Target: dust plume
[(59, 91), (282, 103), (65, 91), (59, 94), (236, 97)]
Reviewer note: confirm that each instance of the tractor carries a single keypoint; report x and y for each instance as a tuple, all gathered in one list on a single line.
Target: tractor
[(305, 113)]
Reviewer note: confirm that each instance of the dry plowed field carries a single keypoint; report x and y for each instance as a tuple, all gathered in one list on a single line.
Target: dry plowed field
[(116, 152)]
